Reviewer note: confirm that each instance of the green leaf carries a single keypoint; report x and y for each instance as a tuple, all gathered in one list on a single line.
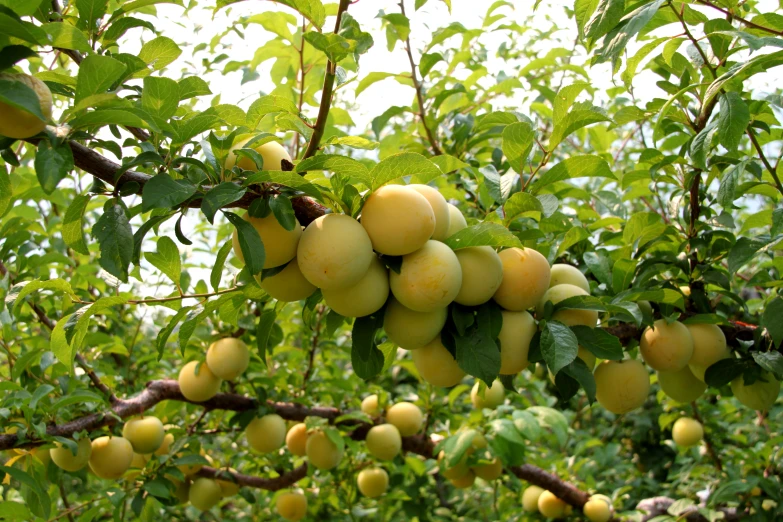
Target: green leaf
[(375, 77), (163, 335), (284, 212), (119, 27), (600, 264), (366, 359), (270, 104), (19, 291), (581, 373), (558, 345), (52, 164), (448, 163), (41, 498), (20, 96), (192, 87), (166, 259), (518, 139), (6, 191), (115, 237), (615, 41), (733, 119), (13, 26), (483, 234), (90, 11), (771, 320), (159, 52), (15, 510), (581, 115), (572, 237), (264, 332), (66, 36), (337, 164), (770, 361), (354, 142), (728, 184), (103, 117), (586, 166), (723, 372), (333, 45), (217, 267), (160, 96), (287, 179), (606, 16), (428, 61), (477, 352), (623, 273), (522, 204), (599, 342), (552, 419), (78, 323), (743, 251), (164, 192), (73, 224), (220, 196), (404, 164), (11, 54), (313, 10), (96, 74), (249, 243)]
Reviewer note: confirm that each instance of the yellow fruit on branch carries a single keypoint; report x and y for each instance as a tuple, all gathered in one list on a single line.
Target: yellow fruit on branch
[(197, 382), (373, 482), (429, 279), (266, 434), (516, 333), (110, 457), (398, 220), (687, 432), (562, 274), (271, 152), (228, 486), (370, 405), (596, 509), (291, 506), (760, 395), (384, 441), (709, 344), (144, 433), (18, 123), (526, 278), (682, 385), (666, 347), (550, 506), (439, 208), (482, 273), (493, 396), (63, 458), (436, 365), (165, 446), (296, 439), (288, 285), (568, 317), (410, 329), (489, 472), (228, 358), (322, 452), (365, 297), (530, 498), (465, 481), (456, 221), (621, 386), (204, 493), (406, 417), (280, 245)]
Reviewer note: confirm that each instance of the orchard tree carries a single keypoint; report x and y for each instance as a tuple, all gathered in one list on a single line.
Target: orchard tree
[(545, 287)]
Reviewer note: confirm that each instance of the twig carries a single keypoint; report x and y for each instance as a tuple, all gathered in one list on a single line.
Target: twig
[(707, 442), (764, 160), (67, 506), (740, 19), (313, 346), (302, 75), (192, 427)]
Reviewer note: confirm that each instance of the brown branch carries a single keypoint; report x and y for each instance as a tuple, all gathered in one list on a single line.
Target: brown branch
[(66, 505), (764, 160), (740, 19), (270, 484), (419, 95), (564, 491), (326, 92)]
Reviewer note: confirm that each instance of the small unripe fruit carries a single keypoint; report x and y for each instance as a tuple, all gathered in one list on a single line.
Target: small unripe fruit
[(568, 317), (682, 386), (456, 221), (515, 335), (398, 219), (365, 297), (288, 285), (666, 347), (550, 506), (228, 487), (296, 439), (110, 457), (407, 418), (64, 459), (493, 396), (145, 434), (760, 395), (436, 365), (621, 386), (687, 432), (530, 498), (597, 510), (587, 357), (266, 434), (291, 506), (198, 386), (430, 278), (384, 441), (465, 481), (181, 490), (562, 274), (370, 405), (205, 493), (373, 482), (228, 358), (322, 452), (457, 471), (482, 273), (272, 153), (709, 344), (410, 329), (526, 278), (279, 244), (334, 251), (165, 447), (138, 463), (439, 208), (17, 123), (489, 472)]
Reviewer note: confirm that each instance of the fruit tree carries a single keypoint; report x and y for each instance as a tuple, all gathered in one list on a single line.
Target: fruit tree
[(391, 260)]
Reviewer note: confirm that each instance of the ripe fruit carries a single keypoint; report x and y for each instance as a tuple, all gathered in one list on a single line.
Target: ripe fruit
[(398, 219), (272, 153), (204, 493), (526, 278), (64, 459), (457, 471), (165, 447), (682, 386), (586, 356), (373, 482), (482, 273), (436, 365), (709, 344), (687, 432), (493, 396), (334, 251), (279, 244), (291, 506), (266, 434), (489, 472), (365, 297), (145, 434), (465, 481), (181, 489), (597, 509), (228, 358), (296, 439), (384, 441), (666, 347), (562, 274), (110, 457), (322, 452), (760, 395), (621, 386), (430, 278), (138, 463), (228, 487), (515, 335), (550, 506), (198, 386), (410, 329), (530, 498), (17, 123), (406, 417), (567, 317), (456, 221), (288, 285), (439, 207), (370, 405)]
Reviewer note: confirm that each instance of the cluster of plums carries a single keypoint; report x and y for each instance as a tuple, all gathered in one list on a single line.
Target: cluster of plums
[(598, 508)]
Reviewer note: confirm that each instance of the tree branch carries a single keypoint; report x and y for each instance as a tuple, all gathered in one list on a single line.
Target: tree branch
[(740, 19), (326, 92), (764, 160)]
